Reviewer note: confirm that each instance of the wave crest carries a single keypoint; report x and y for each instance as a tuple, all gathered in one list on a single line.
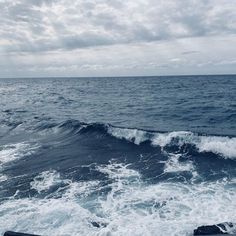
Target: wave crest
[(221, 145)]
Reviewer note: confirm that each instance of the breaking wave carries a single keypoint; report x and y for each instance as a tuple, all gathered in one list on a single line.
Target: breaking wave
[(223, 146)]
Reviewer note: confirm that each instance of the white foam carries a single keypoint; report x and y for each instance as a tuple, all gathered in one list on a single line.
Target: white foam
[(81, 189), (163, 139), (133, 135), (45, 217), (3, 178), (174, 165), (132, 207), (45, 180), (16, 151), (224, 146), (118, 171), (12, 152), (166, 208)]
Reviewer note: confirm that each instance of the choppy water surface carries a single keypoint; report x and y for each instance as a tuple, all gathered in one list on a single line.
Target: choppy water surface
[(117, 156)]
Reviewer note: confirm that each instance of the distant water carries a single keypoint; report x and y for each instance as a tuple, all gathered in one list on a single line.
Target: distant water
[(117, 156)]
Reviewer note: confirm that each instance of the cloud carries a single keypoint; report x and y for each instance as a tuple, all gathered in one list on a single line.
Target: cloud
[(47, 25), (104, 37), (152, 58), (189, 52)]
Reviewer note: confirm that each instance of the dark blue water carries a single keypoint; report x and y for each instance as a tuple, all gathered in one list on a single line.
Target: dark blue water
[(115, 156)]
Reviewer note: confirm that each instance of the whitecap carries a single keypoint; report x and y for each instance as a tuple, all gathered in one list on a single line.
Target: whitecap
[(224, 146), (134, 135), (221, 145), (12, 152)]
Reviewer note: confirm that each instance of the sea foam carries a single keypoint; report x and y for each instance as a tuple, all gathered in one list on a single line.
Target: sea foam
[(132, 207), (222, 145)]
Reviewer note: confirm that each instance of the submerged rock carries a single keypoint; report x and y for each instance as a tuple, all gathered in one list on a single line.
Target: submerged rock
[(222, 228)]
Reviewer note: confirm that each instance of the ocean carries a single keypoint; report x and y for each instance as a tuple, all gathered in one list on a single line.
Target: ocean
[(117, 156)]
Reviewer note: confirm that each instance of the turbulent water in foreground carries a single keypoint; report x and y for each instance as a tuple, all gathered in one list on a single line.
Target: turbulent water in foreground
[(117, 156)]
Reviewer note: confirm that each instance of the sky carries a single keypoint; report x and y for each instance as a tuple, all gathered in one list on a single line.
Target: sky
[(41, 38)]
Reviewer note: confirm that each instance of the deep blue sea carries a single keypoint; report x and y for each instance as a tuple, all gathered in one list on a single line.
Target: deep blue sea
[(117, 156)]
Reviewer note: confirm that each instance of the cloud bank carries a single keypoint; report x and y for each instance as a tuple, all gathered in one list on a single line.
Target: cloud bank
[(43, 32)]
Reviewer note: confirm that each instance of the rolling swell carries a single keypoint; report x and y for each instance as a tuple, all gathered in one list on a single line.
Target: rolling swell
[(222, 146), (158, 156)]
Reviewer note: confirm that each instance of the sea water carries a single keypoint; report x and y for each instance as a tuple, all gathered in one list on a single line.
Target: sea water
[(117, 156)]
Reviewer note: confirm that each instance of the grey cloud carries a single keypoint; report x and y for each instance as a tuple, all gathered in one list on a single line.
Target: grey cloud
[(190, 52), (46, 25), (85, 40)]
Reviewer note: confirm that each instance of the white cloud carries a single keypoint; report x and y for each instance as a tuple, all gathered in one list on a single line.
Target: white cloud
[(107, 37)]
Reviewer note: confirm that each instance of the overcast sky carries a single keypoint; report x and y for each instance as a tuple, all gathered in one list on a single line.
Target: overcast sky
[(117, 37)]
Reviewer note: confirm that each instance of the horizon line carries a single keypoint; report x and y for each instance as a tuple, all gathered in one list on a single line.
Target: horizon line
[(119, 76)]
